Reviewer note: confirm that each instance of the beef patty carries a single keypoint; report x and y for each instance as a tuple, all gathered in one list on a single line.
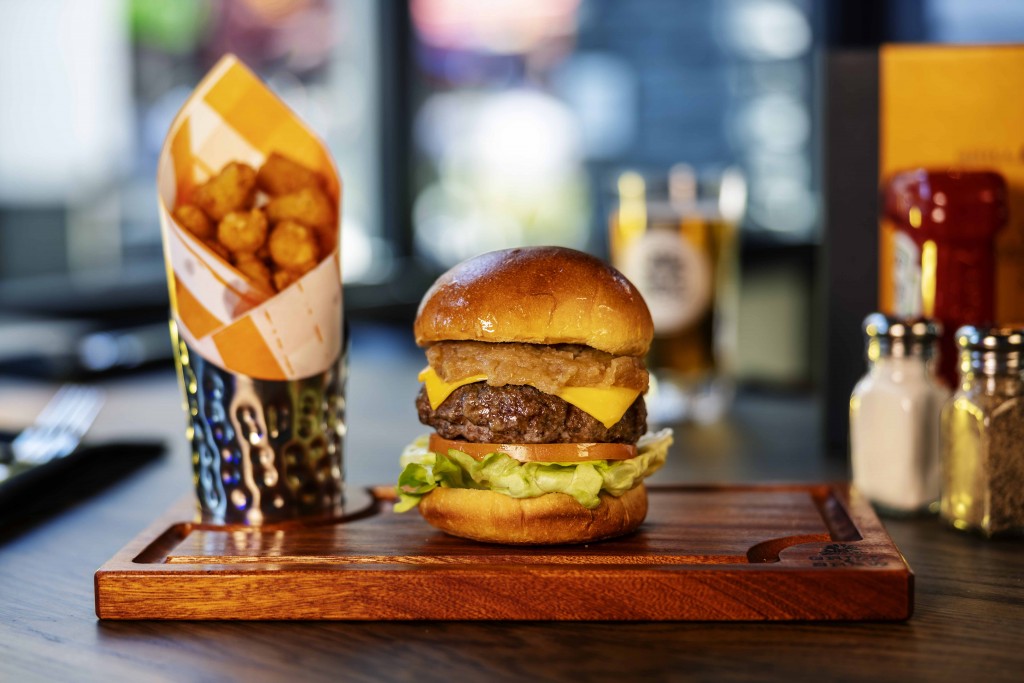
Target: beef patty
[(522, 414)]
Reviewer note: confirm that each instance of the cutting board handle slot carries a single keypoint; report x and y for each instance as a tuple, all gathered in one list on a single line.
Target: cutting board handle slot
[(836, 515), (161, 547), (768, 551)]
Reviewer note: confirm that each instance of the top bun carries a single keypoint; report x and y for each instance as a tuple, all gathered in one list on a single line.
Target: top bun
[(536, 295)]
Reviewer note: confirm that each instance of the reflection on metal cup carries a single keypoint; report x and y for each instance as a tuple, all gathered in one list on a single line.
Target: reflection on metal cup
[(264, 451)]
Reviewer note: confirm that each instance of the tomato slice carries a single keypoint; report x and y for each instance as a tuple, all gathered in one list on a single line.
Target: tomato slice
[(538, 452)]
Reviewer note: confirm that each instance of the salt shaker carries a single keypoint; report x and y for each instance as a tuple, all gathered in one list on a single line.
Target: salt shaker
[(983, 434), (894, 416)]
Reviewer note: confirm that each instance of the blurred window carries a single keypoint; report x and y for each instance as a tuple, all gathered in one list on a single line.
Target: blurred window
[(978, 21), (526, 111), (458, 125), (90, 89)]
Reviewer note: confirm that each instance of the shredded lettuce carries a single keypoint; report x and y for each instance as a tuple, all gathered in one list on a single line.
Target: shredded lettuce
[(423, 471)]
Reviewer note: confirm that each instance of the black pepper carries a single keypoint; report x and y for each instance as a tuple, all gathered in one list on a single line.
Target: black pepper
[(983, 435)]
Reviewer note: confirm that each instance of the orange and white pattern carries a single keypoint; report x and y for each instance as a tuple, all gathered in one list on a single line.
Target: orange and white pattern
[(233, 116)]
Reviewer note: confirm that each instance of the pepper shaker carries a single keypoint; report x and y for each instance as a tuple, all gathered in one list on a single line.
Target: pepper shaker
[(983, 434)]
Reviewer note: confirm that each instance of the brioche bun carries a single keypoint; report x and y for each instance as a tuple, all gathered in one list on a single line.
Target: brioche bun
[(546, 520), (541, 296), (536, 295)]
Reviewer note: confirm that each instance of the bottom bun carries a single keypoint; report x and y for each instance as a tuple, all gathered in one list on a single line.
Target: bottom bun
[(552, 518)]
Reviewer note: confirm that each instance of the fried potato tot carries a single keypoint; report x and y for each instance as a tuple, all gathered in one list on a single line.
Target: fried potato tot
[(303, 218), (243, 232), (233, 189), (255, 269), (327, 239), (293, 246), (284, 278), (308, 206), (218, 249), (193, 219), (280, 175)]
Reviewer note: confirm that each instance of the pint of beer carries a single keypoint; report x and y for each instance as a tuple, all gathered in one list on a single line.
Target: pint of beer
[(680, 249)]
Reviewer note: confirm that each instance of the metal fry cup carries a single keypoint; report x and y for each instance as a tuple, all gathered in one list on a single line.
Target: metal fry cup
[(264, 451), (262, 369)]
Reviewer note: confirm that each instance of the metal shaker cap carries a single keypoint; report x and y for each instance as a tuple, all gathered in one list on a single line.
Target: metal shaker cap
[(991, 350), (898, 337), (1000, 338)]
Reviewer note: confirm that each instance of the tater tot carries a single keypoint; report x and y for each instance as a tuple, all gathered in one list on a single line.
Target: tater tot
[(243, 232), (327, 239), (195, 221), (284, 278), (255, 269), (218, 249), (293, 246), (233, 189), (308, 206), (280, 175)]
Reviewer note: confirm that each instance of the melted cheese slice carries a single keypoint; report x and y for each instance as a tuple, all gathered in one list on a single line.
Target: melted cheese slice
[(607, 405), (438, 390)]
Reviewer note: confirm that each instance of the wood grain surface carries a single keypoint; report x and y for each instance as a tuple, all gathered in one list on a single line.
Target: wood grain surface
[(803, 552), (968, 622)]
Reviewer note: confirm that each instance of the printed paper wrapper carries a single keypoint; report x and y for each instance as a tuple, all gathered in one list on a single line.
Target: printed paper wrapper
[(223, 316)]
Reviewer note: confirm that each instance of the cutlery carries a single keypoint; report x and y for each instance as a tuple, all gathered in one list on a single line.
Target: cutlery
[(59, 427)]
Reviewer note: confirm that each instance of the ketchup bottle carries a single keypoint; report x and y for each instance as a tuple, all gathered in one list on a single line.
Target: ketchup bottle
[(944, 224)]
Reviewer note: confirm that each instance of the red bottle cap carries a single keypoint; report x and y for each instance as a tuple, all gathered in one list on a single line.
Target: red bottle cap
[(947, 205)]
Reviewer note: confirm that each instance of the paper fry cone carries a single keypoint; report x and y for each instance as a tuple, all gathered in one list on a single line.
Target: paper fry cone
[(226, 318)]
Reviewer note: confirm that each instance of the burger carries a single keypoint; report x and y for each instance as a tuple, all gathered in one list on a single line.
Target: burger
[(534, 390)]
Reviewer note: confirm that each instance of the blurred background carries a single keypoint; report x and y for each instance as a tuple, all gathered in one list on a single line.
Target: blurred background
[(459, 126)]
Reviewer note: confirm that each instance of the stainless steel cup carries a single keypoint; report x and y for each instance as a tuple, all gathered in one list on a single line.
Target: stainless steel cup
[(264, 451)]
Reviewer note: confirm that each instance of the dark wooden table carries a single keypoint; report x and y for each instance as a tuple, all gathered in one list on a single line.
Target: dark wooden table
[(968, 625)]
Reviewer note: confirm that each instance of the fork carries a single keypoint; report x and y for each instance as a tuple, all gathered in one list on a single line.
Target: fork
[(60, 426)]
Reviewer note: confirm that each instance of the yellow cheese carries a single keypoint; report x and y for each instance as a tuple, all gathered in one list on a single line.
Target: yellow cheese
[(438, 390), (606, 405)]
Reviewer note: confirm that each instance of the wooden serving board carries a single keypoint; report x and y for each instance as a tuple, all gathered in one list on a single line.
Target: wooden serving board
[(722, 553)]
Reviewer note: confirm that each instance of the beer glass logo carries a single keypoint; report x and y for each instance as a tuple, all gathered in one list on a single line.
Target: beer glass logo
[(673, 276)]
